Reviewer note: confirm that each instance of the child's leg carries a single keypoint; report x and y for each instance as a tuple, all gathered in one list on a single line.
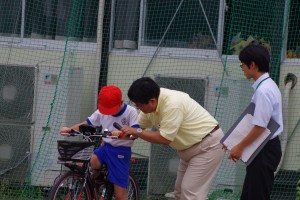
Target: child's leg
[(79, 164), (95, 163), (121, 193)]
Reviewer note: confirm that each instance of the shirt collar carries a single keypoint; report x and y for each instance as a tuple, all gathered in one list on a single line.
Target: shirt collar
[(159, 100), (121, 112), (262, 77)]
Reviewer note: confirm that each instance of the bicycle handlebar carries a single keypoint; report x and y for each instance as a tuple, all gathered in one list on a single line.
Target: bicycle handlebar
[(118, 126), (89, 131)]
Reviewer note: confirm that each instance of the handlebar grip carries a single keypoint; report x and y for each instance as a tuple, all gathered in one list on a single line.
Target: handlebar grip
[(117, 126), (74, 132)]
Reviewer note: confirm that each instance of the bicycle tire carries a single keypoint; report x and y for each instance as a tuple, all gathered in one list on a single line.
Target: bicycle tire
[(70, 186), (133, 191), (109, 194)]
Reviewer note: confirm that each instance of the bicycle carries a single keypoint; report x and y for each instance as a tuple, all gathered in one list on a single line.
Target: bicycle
[(79, 183)]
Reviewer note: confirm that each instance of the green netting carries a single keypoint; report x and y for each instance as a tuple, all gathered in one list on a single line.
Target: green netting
[(56, 54)]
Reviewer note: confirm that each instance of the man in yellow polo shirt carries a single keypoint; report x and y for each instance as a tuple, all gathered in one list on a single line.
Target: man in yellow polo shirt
[(187, 127)]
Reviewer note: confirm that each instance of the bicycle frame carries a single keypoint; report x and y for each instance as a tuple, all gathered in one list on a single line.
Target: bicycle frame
[(88, 176)]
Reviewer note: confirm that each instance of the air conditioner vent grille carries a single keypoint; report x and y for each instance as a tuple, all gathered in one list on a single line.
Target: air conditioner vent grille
[(16, 93), (15, 149)]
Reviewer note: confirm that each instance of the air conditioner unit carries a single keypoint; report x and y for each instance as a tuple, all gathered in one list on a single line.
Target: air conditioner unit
[(195, 87), (17, 86), (15, 143), (223, 98), (58, 104)]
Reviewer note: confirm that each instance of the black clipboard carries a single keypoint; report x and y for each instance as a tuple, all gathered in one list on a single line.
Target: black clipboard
[(272, 126)]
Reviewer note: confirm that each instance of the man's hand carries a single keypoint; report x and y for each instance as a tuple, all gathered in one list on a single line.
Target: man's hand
[(235, 153), (116, 133), (65, 131), (127, 131), (224, 148)]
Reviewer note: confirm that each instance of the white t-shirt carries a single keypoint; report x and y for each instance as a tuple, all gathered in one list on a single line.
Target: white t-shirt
[(128, 116)]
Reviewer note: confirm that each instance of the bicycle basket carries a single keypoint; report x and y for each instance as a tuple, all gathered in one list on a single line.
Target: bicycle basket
[(75, 150)]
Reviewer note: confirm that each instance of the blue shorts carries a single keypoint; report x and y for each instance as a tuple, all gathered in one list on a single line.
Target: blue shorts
[(117, 160)]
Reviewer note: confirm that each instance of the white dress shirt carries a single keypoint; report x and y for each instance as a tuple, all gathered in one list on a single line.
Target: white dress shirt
[(268, 103)]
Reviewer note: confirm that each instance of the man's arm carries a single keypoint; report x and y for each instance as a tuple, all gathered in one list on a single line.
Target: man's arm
[(149, 136), (237, 151)]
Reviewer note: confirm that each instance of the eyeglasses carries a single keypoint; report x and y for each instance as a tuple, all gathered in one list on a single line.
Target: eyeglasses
[(137, 106), (242, 65), (140, 105)]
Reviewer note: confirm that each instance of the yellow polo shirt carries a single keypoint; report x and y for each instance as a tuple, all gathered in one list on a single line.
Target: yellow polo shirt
[(179, 119)]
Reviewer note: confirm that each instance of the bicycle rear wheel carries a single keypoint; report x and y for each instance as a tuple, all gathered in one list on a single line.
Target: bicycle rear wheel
[(70, 186)]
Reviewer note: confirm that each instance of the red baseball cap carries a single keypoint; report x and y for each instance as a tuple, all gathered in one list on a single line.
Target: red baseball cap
[(109, 100)]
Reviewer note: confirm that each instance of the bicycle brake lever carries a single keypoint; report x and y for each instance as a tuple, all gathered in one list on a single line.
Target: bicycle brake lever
[(117, 126), (74, 132)]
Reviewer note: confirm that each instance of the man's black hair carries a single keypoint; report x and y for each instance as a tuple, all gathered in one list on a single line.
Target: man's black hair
[(258, 54), (142, 90)]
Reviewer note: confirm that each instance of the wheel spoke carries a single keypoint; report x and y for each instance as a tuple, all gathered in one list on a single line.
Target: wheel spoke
[(132, 189), (69, 187)]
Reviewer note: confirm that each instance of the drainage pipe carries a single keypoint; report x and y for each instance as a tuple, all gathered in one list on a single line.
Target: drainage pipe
[(290, 82)]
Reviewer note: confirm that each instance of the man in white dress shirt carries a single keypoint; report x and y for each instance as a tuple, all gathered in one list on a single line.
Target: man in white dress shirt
[(259, 178)]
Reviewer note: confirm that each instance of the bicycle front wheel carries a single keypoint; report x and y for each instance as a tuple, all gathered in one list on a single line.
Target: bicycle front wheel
[(133, 191), (106, 190), (70, 186)]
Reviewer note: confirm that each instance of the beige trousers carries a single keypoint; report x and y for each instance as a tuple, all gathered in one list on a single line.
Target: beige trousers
[(197, 167)]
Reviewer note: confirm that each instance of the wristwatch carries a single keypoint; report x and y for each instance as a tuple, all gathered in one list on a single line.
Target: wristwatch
[(139, 131)]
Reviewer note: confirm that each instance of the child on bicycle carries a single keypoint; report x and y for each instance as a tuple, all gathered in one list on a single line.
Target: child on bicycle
[(116, 153)]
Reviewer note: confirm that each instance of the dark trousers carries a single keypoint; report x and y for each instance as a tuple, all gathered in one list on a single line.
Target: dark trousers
[(259, 178)]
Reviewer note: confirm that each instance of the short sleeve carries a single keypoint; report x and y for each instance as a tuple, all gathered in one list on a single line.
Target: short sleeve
[(133, 118), (171, 121), (94, 119), (144, 121), (263, 109)]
